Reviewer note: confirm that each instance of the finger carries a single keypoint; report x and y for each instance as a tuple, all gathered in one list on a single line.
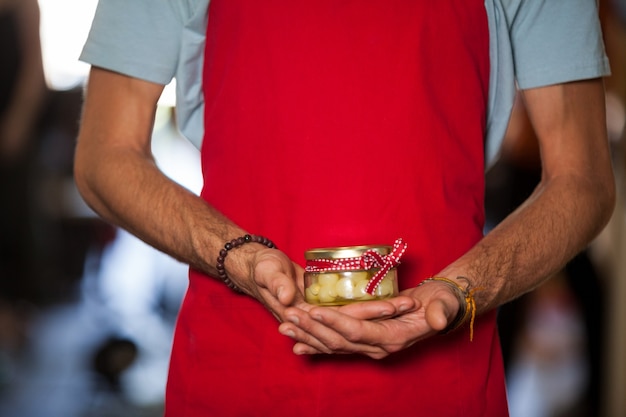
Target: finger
[(331, 340), (306, 330), (351, 329), (306, 344), (369, 310), (372, 310), (438, 315), (304, 349), (273, 275)]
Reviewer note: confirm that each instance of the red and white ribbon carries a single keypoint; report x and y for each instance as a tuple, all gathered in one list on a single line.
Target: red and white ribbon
[(370, 259)]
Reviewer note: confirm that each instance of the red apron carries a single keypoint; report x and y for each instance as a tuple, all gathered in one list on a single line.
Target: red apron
[(332, 123)]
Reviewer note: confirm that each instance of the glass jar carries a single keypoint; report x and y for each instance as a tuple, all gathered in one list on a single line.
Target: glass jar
[(343, 275)]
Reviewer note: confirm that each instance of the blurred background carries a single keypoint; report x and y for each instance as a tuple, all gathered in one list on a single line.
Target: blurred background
[(87, 311)]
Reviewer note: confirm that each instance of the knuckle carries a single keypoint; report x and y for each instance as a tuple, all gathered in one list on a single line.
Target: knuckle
[(352, 337), (334, 346)]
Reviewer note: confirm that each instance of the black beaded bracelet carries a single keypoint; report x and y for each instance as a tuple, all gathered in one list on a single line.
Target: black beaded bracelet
[(221, 271)]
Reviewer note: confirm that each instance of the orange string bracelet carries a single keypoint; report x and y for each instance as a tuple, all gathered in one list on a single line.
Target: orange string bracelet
[(467, 303)]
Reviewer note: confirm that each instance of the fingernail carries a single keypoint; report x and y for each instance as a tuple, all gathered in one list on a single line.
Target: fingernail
[(293, 319), (289, 333)]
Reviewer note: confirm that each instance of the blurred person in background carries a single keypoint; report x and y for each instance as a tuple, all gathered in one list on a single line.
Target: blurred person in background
[(22, 79), (299, 95), (22, 95)]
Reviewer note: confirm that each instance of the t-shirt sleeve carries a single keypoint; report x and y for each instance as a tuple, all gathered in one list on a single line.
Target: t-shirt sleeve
[(139, 38), (556, 41)]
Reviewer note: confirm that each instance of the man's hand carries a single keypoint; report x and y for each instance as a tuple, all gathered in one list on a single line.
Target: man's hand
[(373, 328), (274, 280)]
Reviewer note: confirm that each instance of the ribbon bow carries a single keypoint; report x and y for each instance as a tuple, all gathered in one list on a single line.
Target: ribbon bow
[(370, 259)]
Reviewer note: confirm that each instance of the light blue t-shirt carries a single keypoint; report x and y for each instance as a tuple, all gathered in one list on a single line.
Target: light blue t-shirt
[(533, 43)]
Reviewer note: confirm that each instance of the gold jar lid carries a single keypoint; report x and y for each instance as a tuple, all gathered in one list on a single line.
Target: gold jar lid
[(343, 252)]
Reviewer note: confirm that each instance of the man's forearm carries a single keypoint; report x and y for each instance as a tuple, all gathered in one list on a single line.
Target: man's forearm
[(535, 241), (118, 177), (571, 205), (128, 189)]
